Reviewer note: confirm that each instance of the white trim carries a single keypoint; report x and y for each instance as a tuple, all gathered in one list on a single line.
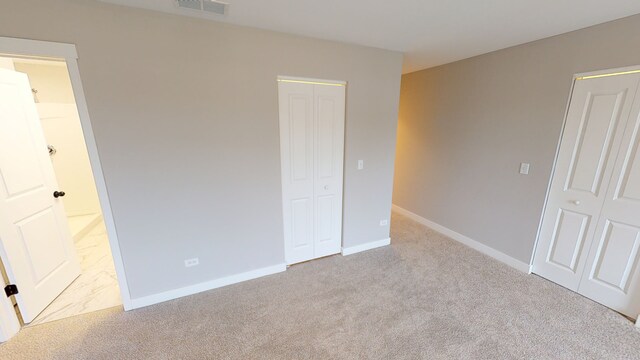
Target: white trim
[(313, 80), (346, 251), (476, 245), (205, 286), (80, 233), (67, 52), (607, 71), (39, 61), (31, 48)]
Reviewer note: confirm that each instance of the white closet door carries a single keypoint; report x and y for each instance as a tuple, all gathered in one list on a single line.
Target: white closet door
[(312, 149), (329, 145), (595, 123), (296, 146), (612, 275)]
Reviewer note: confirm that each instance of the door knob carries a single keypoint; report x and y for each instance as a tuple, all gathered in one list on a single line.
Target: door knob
[(576, 202), (57, 194), (326, 187)]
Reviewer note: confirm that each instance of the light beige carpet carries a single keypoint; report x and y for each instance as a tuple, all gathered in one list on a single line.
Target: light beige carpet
[(423, 297)]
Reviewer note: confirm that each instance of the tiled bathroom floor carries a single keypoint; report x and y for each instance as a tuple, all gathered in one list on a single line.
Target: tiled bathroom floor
[(97, 286)]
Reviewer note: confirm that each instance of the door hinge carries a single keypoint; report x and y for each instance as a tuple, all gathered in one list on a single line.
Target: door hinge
[(10, 290)]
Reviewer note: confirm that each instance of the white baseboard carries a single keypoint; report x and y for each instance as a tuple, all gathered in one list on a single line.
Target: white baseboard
[(88, 226), (209, 285), (364, 247), (476, 245)]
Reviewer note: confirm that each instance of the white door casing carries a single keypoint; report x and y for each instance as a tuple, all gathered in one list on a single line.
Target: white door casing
[(589, 236), (35, 243), (312, 119)]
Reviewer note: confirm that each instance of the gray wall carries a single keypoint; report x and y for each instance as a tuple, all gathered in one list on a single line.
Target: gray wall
[(185, 115), (465, 127)]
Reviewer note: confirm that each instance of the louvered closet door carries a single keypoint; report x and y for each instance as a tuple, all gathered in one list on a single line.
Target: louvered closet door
[(312, 151)]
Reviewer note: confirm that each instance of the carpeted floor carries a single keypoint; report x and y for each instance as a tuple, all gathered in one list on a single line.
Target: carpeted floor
[(423, 297)]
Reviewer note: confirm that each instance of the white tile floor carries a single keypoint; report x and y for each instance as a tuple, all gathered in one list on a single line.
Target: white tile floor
[(97, 286)]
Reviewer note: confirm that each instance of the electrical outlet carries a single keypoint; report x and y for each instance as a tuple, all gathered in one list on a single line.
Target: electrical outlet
[(384, 222), (524, 168), (191, 262)]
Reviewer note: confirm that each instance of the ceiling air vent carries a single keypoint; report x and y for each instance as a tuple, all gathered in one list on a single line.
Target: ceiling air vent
[(214, 7)]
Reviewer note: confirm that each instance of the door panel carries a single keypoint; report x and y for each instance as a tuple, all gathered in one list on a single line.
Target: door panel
[(36, 245), (325, 218), (628, 187), (45, 251), (595, 125), (302, 224), (568, 239), (326, 135), (596, 130), (17, 176), (616, 255), (612, 273), (300, 137)]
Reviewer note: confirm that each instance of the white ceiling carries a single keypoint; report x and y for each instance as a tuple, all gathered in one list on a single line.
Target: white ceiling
[(428, 32)]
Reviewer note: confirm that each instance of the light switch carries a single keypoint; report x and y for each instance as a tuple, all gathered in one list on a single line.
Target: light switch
[(524, 168), (360, 164)]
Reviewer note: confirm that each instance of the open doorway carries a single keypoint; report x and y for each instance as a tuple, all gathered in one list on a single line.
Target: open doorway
[(87, 281)]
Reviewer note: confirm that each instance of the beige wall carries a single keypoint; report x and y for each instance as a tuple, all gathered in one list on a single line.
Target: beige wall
[(465, 127), (185, 115)]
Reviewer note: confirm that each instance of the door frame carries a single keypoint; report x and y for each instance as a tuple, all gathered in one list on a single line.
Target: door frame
[(576, 77), (9, 323)]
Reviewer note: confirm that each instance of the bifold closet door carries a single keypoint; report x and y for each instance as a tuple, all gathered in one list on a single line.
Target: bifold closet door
[(312, 150), (612, 275), (588, 239)]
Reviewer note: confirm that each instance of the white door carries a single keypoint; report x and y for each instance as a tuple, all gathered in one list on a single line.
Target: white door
[(35, 243), (574, 225), (612, 274), (312, 151)]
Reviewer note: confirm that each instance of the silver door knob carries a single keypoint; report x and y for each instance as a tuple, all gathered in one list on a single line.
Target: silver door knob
[(576, 202)]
